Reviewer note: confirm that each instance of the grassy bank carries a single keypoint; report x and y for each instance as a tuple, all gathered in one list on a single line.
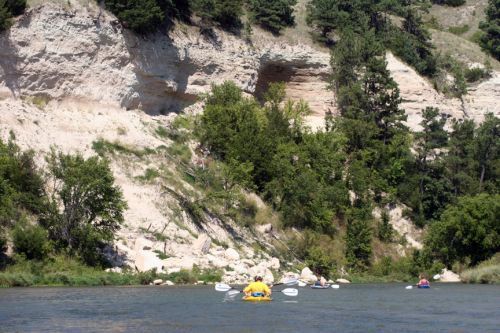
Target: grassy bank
[(64, 271), (486, 272)]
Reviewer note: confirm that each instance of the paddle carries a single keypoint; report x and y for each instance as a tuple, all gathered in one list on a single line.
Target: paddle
[(233, 292), (335, 286)]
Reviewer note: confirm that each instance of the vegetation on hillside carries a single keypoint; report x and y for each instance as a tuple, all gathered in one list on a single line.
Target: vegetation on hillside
[(490, 40), (273, 15), (8, 9), (76, 216)]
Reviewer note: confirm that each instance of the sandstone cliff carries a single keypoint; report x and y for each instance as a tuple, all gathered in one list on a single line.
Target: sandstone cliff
[(72, 75)]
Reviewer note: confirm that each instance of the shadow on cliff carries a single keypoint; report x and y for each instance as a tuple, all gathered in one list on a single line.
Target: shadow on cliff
[(162, 72)]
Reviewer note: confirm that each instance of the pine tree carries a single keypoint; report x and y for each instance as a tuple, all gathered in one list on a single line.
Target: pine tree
[(273, 15), (490, 41), (5, 16)]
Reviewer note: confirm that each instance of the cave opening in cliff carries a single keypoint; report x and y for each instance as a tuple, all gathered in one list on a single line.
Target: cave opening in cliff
[(271, 73)]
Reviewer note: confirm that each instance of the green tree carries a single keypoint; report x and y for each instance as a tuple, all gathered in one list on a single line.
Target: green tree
[(487, 147), (16, 7), (92, 205), (358, 238), (385, 230), (21, 186), (453, 3), (490, 41), (413, 44), (32, 241), (227, 13), (5, 16), (467, 232), (142, 16), (273, 15), (434, 189), (460, 161)]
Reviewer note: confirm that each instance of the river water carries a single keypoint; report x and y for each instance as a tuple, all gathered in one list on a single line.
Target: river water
[(352, 308)]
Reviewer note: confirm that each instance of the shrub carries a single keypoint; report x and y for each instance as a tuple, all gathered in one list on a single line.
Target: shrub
[(5, 16), (142, 16), (32, 241), (467, 231), (452, 3), (459, 30), (273, 15), (92, 206), (490, 41), (475, 74), (16, 7), (226, 13)]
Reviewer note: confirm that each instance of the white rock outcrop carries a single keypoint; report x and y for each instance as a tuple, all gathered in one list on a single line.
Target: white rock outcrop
[(448, 276), (307, 275)]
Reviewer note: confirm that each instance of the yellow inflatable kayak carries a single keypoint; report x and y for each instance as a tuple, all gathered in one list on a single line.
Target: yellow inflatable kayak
[(257, 299)]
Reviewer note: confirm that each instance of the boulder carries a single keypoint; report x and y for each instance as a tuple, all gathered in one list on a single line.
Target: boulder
[(180, 263), (449, 276), (231, 254), (307, 275), (169, 283), (202, 244), (147, 260), (157, 282), (342, 281), (274, 263), (264, 228)]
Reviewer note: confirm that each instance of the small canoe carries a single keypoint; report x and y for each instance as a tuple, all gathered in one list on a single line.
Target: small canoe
[(423, 286), (326, 286)]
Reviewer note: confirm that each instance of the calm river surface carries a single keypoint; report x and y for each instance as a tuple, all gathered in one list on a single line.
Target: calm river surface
[(352, 308)]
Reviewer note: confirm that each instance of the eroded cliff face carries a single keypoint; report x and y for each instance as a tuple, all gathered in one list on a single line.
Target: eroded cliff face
[(84, 53), (93, 80)]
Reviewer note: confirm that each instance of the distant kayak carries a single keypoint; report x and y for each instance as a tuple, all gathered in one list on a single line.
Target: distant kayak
[(257, 299), (326, 286), (423, 286)]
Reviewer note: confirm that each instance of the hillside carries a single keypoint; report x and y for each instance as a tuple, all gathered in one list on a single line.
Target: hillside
[(72, 76)]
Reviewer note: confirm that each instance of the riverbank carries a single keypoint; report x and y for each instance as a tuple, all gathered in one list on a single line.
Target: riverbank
[(64, 271), (488, 272)]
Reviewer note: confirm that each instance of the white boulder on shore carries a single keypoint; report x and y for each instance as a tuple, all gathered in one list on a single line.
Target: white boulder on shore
[(342, 281), (307, 275), (448, 276)]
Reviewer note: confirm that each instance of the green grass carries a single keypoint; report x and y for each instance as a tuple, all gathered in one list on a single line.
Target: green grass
[(64, 271), (459, 30), (486, 272), (103, 147), (149, 175)]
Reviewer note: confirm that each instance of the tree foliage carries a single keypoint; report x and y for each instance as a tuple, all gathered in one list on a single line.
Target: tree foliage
[(142, 16), (226, 13), (273, 15), (490, 41), (467, 231), (92, 206), (8, 9)]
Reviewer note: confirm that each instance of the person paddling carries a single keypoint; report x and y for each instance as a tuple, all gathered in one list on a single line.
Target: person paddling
[(320, 282), (257, 288), (423, 283)]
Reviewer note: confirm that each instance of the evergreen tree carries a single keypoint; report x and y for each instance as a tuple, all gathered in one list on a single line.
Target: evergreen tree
[(226, 13), (460, 161), (16, 7), (487, 147), (142, 16), (466, 231), (434, 190), (5, 16), (358, 238), (273, 15), (490, 41)]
